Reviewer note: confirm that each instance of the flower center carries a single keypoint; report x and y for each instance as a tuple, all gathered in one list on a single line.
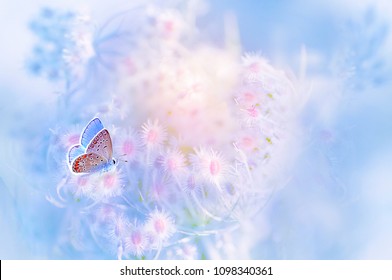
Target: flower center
[(169, 26), (159, 226), (136, 238), (109, 181), (249, 96), (247, 142), (215, 167), (253, 112), (254, 67), (172, 164), (128, 147), (152, 136)]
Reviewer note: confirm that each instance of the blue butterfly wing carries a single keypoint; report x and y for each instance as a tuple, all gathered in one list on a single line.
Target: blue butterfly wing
[(91, 130), (74, 152)]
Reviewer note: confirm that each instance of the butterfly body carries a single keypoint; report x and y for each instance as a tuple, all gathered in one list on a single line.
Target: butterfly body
[(94, 153)]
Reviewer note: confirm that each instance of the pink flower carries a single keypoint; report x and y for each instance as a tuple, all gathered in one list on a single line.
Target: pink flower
[(168, 25), (191, 183), (69, 137), (251, 115), (253, 66), (136, 241), (105, 214), (82, 185), (108, 184), (248, 142), (153, 134), (160, 188), (128, 146), (210, 165), (247, 97), (173, 162), (118, 228), (160, 225)]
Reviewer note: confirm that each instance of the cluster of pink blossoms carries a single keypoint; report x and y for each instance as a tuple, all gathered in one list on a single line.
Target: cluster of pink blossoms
[(194, 127)]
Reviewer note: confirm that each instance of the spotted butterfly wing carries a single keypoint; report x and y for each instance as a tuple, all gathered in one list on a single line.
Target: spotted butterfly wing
[(87, 163), (90, 132), (101, 145)]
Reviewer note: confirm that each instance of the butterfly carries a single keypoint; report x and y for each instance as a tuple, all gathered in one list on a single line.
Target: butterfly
[(94, 153)]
